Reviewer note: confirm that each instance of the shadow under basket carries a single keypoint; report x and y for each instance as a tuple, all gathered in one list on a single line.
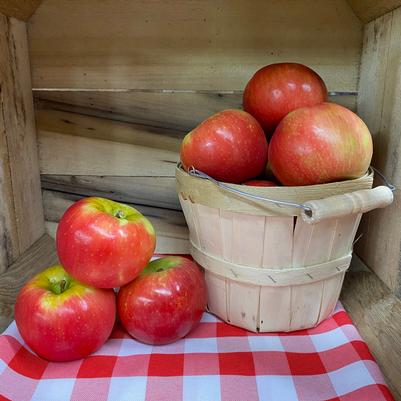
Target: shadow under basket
[(271, 267)]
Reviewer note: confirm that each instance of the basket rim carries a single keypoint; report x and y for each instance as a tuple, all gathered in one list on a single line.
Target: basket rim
[(206, 193), (369, 174)]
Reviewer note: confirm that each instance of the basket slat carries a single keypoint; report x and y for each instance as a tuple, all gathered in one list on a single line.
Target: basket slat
[(331, 292), (189, 217), (226, 222), (247, 243), (243, 304), (210, 235), (275, 308), (313, 243), (345, 234), (217, 295), (278, 242), (305, 305)]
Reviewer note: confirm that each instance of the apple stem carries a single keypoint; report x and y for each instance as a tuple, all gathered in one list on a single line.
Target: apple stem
[(63, 284), (59, 287), (119, 214)]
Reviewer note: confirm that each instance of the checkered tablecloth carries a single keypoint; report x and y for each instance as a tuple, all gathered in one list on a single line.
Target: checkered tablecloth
[(215, 362)]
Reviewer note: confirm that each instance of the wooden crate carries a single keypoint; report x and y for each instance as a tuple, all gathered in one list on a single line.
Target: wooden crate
[(96, 96)]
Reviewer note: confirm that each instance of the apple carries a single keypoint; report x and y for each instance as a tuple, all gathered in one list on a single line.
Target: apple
[(320, 144), (165, 302), (277, 89), (62, 319), (229, 146), (104, 243), (260, 183)]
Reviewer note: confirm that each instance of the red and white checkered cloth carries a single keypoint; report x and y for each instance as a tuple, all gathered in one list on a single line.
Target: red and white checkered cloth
[(215, 362)]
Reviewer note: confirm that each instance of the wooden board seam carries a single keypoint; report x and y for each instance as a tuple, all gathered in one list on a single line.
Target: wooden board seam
[(13, 207), (144, 90)]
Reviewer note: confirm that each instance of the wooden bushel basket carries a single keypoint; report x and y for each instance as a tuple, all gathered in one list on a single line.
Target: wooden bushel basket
[(272, 267)]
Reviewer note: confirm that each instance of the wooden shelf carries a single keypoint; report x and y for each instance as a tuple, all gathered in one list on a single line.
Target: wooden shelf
[(376, 314)]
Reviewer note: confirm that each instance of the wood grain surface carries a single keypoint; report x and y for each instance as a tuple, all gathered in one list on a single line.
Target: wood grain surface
[(189, 44), (21, 212), (175, 111), (379, 104), (377, 315)]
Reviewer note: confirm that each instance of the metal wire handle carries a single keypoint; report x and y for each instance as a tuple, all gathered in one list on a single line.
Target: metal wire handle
[(384, 179), (192, 171)]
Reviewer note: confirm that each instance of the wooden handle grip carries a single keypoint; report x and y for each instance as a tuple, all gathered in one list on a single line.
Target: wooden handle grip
[(341, 205)]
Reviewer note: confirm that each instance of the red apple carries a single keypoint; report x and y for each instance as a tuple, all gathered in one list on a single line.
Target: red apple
[(62, 319), (277, 89), (260, 183), (104, 243), (320, 144), (165, 302), (229, 146)]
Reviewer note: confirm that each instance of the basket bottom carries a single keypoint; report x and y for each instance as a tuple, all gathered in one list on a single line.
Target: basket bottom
[(270, 308)]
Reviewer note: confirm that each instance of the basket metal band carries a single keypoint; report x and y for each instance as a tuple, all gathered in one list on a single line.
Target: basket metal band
[(270, 277)]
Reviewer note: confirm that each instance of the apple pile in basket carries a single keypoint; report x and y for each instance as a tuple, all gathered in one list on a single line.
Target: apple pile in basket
[(68, 311), (287, 129)]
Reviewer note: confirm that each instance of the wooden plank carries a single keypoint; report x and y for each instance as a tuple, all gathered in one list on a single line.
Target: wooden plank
[(72, 144), (40, 255), (76, 155), (172, 110), (9, 248), (176, 111), (368, 10), (22, 213), (171, 229), (380, 87), (374, 61), (151, 191), (377, 315), (20, 9), (51, 121), (189, 45)]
